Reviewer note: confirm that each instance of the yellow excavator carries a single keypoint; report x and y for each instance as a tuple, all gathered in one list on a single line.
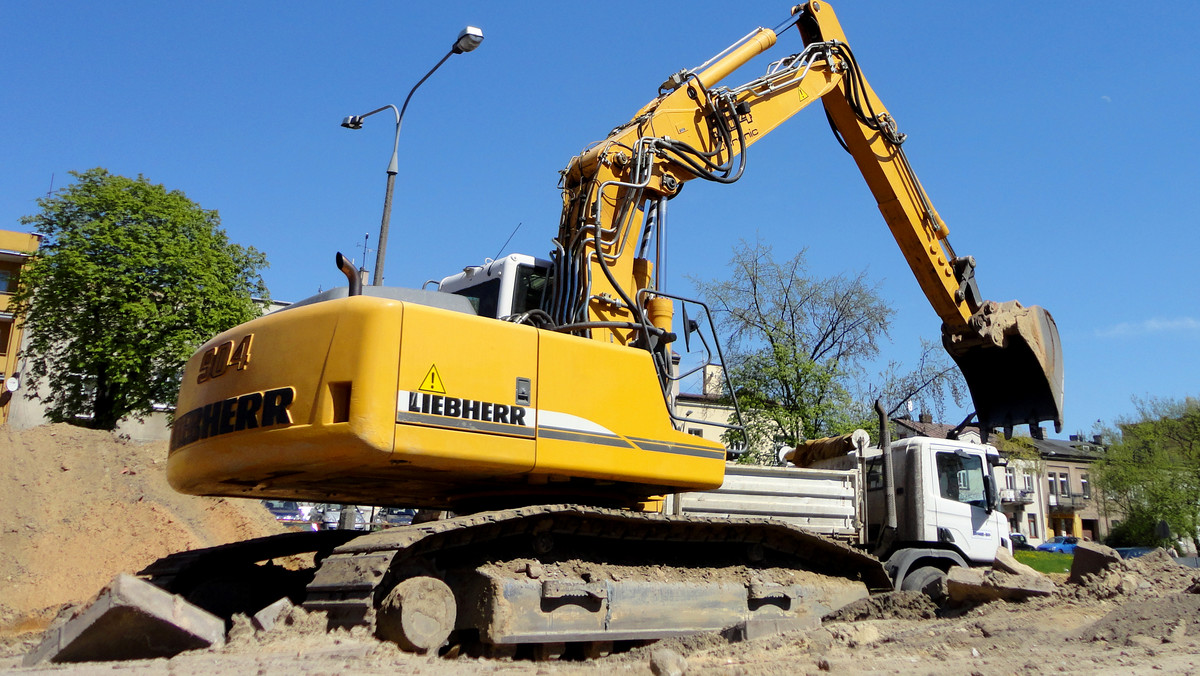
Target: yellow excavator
[(533, 398)]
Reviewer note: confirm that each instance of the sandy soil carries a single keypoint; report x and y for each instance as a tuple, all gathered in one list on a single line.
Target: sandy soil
[(79, 506), (1141, 617)]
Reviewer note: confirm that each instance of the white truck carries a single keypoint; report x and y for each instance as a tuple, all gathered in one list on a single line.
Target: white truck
[(938, 511)]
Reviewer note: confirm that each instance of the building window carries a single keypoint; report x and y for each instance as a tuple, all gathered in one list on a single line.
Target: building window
[(5, 334), (1027, 480), (1010, 478), (695, 431), (1064, 488), (1033, 525), (1085, 486), (1053, 483), (8, 276)]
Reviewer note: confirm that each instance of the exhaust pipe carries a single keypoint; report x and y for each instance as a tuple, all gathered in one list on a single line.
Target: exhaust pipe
[(351, 273), (887, 534)]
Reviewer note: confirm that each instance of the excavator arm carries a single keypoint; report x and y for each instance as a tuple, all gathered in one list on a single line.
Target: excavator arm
[(615, 198)]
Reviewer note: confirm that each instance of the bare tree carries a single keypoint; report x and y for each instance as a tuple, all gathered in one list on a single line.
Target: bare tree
[(927, 385), (798, 347)]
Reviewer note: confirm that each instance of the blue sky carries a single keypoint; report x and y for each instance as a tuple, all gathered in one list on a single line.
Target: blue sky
[(1057, 140)]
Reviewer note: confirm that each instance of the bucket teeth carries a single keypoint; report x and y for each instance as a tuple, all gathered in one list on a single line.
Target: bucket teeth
[(1011, 359)]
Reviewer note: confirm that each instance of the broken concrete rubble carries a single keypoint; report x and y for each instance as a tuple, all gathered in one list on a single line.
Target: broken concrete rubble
[(966, 585), (1005, 562), (265, 619), (129, 619), (1091, 558)]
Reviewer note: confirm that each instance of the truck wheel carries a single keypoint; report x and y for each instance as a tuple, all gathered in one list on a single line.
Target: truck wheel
[(928, 580), (418, 615)]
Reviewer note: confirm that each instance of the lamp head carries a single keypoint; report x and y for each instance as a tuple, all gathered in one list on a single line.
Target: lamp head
[(353, 122), (468, 39)]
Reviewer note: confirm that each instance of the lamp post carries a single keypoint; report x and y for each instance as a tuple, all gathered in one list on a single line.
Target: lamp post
[(468, 39)]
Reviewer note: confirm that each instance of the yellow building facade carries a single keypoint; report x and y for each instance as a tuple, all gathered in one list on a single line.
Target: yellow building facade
[(15, 250)]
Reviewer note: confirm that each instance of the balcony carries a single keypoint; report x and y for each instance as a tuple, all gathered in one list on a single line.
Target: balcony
[(1067, 502), (1016, 496)]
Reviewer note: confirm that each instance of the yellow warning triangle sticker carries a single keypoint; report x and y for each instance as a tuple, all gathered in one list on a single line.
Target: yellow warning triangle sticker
[(433, 382)]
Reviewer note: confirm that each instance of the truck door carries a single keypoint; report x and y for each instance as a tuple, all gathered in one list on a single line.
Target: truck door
[(960, 504)]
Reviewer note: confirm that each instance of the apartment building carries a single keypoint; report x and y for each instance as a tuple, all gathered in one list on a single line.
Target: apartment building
[(15, 249), (1072, 505)]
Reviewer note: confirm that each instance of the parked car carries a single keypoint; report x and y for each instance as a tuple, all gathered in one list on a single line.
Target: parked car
[(284, 510), (330, 517), (1021, 543), (1134, 552), (1063, 544), (388, 517)]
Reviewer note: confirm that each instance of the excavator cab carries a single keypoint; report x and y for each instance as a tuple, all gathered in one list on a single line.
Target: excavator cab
[(1011, 358), (505, 288)]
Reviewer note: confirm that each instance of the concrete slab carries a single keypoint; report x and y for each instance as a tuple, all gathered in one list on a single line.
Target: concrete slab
[(265, 619), (1091, 558), (978, 586), (1005, 562), (130, 619)]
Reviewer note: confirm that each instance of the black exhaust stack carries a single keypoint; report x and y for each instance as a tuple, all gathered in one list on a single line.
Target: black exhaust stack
[(351, 273)]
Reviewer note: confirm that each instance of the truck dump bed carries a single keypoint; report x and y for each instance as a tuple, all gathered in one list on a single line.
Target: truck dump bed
[(819, 500)]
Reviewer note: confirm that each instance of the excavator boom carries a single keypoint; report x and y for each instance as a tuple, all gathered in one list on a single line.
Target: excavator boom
[(1009, 355)]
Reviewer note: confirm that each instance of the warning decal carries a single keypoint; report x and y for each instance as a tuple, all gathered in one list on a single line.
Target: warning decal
[(432, 382)]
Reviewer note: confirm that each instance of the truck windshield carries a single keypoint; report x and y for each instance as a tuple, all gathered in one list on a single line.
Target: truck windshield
[(960, 478)]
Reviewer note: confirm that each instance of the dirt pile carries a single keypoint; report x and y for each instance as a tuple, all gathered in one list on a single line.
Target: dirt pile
[(1153, 621), (1154, 575), (901, 605), (79, 506)]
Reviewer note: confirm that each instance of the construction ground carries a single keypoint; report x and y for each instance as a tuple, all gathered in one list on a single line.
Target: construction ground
[(77, 507)]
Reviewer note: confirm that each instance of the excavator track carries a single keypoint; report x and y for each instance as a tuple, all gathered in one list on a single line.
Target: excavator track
[(539, 578), (228, 579), (558, 574)]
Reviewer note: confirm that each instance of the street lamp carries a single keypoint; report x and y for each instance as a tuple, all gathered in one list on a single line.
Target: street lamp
[(468, 39)]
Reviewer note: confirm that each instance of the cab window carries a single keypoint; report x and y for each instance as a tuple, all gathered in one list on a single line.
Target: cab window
[(960, 478), (484, 297), (530, 290)]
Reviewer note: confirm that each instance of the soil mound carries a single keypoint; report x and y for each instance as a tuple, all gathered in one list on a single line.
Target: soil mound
[(79, 506), (1153, 621), (1154, 575), (901, 605)]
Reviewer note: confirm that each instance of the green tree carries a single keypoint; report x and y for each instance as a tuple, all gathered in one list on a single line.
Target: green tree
[(1020, 448), (129, 280), (1151, 470), (797, 346)]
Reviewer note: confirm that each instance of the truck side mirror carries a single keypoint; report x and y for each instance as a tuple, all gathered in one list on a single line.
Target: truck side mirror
[(989, 491)]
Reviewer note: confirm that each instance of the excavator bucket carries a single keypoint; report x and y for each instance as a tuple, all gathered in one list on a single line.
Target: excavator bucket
[(1011, 358)]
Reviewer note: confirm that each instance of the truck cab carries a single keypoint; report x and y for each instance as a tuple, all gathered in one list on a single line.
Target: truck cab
[(946, 500), (945, 504)]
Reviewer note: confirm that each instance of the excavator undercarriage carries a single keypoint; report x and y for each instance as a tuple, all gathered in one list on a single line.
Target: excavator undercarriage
[(536, 579)]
